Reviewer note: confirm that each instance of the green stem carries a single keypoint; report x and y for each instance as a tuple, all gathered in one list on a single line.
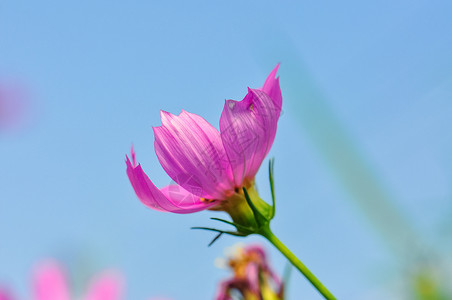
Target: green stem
[(268, 234)]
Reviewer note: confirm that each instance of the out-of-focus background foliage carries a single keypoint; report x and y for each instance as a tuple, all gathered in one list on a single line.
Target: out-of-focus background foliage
[(363, 149)]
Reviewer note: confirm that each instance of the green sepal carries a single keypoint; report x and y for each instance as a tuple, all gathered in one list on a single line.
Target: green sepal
[(258, 216), (220, 233), (220, 230), (215, 239), (240, 228), (271, 165)]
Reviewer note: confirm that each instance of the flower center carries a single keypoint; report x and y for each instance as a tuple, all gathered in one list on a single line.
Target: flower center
[(205, 200)]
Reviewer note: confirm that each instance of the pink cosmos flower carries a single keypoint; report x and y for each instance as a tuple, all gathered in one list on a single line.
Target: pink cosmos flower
[(12, 107), (252, 277), (50, 283), (5, 295), (209, 166)]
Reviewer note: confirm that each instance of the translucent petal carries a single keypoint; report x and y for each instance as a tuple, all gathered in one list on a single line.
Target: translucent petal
[(170, 199), (248, 128), (190, 150)]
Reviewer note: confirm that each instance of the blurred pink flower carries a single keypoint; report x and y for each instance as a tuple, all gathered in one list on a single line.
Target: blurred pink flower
[(5, 295), (50, 283), (207, 165), (252, 277), (12, 107)]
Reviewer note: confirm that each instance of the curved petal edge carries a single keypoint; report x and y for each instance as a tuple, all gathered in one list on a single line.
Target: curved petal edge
[(271, 87), (248, 128), (172, 198)]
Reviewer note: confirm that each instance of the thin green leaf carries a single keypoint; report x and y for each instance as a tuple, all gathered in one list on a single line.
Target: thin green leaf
[(215, 238), (221, 231), (208, 229), (271, 165), (238, 226)]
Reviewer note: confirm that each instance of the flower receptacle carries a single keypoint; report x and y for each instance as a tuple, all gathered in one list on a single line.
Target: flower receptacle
[(247, 210)]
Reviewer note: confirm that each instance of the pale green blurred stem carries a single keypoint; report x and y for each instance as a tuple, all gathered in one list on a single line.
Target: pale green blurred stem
[(268, 234)]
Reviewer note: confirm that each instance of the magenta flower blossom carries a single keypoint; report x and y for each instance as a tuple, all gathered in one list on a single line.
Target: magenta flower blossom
[(13, 106), (252, 277), (210, 167), (5, 295), (50, 283)]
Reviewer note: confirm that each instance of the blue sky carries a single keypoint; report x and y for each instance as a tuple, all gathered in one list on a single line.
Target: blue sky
[(375, 77)]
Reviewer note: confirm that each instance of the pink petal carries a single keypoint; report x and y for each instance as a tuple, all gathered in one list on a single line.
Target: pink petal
[(49, 282), (108, 286), (13, 107), (252, 276), (263, 262), (242, 285), (5, 295), (190, 150), (170, 199), (271, 88), (248, 128), (225, 287)]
